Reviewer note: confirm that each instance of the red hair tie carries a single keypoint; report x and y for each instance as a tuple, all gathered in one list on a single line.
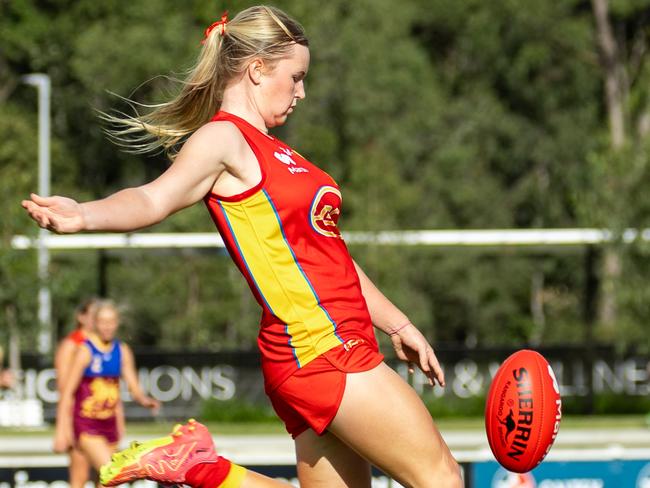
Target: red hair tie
[(219, 23)]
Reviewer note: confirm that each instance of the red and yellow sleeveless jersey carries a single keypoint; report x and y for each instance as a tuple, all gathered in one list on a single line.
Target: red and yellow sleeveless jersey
[(284, 238)]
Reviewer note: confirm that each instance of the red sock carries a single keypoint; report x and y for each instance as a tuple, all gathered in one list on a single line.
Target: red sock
[(208, 475)]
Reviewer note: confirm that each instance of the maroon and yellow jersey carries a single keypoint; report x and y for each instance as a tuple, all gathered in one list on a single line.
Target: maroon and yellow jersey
[(98, 393), (284, 238)]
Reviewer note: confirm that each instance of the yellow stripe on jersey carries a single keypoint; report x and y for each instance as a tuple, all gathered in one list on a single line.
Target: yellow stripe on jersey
[(286, 290)]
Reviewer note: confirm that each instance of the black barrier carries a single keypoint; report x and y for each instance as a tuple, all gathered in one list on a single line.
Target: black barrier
[(185, 380)]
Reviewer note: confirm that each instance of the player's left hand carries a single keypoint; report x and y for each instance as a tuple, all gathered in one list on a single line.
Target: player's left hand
[(413, 348), (152, 404), (62, 442), (7, 379)]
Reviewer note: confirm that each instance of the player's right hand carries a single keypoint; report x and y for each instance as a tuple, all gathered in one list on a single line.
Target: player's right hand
[(62, 443), (413, 348), (58, 214)]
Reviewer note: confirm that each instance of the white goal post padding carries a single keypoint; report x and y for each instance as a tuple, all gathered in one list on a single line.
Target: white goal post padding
[(488, 237)]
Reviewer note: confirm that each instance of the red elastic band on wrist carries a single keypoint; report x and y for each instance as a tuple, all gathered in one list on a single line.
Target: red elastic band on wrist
[(395, 331)]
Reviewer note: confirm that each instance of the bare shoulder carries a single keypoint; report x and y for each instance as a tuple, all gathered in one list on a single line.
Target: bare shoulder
[(83, 353), (201, 161), (125, 349), (211, 148), (221, 137), (220, 128), (64, 351), (65, 345)]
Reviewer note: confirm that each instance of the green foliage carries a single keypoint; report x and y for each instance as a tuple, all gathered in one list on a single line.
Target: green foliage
[(198, 299), (603, 404), (606, 404), (453, 407), (18, 286), (237, 411)]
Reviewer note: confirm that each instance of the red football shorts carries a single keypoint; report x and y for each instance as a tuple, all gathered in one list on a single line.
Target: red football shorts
[(311, 397)]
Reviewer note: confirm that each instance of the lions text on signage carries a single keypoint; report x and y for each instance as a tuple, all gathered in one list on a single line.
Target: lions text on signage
[(165, 383)]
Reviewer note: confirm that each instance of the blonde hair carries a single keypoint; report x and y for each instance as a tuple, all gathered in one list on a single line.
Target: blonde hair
[(105, 303), (260, 31)]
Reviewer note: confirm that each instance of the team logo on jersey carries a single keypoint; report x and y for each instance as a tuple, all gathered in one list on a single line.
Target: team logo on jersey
[(350, 343), (325, 211), (285, 157), (104, 395)]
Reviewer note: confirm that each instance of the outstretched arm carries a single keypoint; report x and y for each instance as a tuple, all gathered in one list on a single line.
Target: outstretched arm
[(192, 175), (409, 343)]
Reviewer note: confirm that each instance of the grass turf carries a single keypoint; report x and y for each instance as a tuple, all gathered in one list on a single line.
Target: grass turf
[(444, 424)]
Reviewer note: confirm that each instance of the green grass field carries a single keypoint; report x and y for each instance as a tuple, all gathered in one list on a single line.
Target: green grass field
[(450, 424)]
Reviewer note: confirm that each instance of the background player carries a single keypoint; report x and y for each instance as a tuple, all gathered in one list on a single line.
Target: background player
[(79, 466), (87, 414)]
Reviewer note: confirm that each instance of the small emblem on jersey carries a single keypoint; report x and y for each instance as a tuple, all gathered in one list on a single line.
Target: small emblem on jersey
[(96, 364), (350, 343), (325, 211), (285, 157)]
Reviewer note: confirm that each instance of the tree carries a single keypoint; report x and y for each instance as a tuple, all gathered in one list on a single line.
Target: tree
[(19, 286), (620, 165)]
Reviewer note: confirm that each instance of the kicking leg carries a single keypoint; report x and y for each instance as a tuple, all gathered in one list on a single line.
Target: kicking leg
[(187, 456), (383, 419), (326, 462)]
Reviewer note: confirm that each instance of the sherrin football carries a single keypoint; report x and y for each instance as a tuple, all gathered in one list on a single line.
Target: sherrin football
[(523, 411)]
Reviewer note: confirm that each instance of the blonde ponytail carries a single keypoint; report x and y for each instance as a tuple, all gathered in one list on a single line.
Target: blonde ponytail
[(261, 31)]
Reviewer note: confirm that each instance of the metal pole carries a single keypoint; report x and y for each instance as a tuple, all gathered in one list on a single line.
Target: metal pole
[(42, 84)]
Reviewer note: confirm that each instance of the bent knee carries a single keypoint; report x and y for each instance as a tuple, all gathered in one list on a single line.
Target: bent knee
[(451, 474), (445, 474)]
